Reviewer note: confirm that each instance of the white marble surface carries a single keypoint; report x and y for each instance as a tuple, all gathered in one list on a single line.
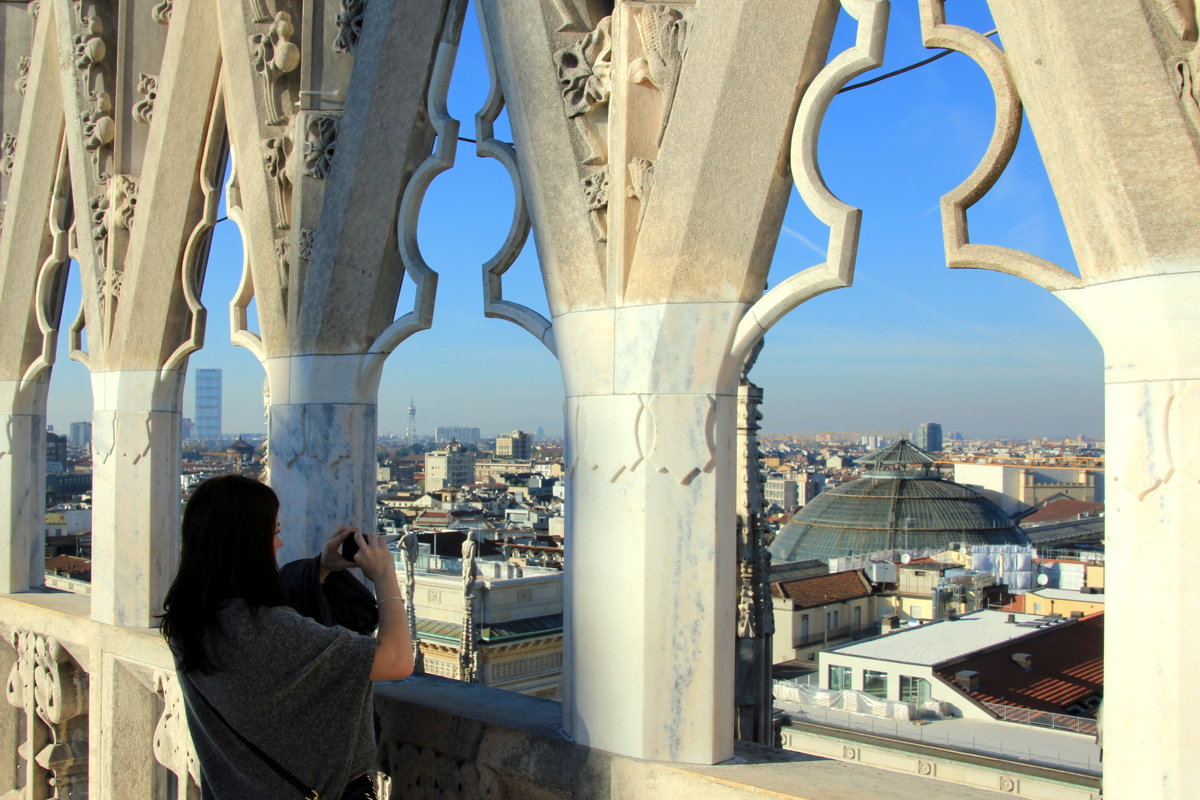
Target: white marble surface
[(135, 493), (22, 471), (1149, 328), (321, 459), (650, 625), (321, 447)]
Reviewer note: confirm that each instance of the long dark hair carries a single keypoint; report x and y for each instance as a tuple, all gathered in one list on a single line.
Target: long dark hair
[(228, 551)]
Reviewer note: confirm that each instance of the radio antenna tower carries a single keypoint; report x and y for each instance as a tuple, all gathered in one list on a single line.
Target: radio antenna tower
[(410, 435)]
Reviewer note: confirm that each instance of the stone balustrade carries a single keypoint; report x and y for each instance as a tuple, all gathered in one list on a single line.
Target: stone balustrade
[(94, 710)]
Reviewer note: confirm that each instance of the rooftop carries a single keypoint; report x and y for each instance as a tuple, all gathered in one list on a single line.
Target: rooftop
[(821, 589), (1066, 667), (936, 642), (1062, 510), (1069, 594)]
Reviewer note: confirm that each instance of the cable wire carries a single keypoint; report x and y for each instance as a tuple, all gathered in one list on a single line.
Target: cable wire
[(903, 70)]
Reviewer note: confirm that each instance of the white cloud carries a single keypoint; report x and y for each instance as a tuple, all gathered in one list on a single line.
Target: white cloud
[(804, 240)]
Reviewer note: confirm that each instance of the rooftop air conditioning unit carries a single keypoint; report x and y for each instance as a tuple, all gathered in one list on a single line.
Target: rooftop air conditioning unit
[(1023, 660), (968, 679)]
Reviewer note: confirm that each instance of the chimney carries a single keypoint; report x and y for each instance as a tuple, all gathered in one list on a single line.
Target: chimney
[(1011, 619), (968, 679), (1023, 660), (952, 614)]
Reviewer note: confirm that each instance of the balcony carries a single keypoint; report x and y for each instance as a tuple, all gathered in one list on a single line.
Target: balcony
[(89, 702)]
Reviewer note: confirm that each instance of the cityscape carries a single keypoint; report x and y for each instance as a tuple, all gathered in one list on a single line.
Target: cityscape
[(745, 397), (874, 541)]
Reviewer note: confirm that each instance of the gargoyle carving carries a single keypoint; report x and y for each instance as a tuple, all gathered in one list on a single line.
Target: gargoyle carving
[(320, 139), (664, 32), (147, 87), (161, 13), (595, 193), (275, 159), (349, 25), (275, 56), (22, 80), (8, 152), (641, 181), (585, 79)]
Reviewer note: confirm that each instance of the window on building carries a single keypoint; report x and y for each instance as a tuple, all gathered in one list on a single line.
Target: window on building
[(803, 628), (839, 677), (875, 683), (913, 690), (858, 616)]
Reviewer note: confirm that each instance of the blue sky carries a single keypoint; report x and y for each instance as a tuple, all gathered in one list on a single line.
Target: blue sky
[(983, 353)]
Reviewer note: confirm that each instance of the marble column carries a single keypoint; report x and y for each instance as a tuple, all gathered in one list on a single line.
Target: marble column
[(321, 451), (1112, 99), (136, 422), (22, 483), (1149, 328), (655, 237), (652, 473)]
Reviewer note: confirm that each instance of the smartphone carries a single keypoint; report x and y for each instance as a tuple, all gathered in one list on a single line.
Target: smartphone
[(349, 547)]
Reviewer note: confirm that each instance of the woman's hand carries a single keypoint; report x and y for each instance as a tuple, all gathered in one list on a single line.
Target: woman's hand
[(374, 558), (331, 556)]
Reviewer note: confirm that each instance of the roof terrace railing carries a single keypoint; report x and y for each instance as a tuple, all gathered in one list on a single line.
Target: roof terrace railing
[(1046, 719)]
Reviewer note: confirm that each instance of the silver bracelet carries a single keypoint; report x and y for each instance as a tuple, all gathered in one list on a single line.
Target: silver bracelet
[(391, 597)]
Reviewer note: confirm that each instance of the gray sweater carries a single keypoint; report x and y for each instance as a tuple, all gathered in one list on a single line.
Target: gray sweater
[(298, 690)]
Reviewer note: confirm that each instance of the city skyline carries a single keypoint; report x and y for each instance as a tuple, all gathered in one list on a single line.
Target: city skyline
[(985, 354)]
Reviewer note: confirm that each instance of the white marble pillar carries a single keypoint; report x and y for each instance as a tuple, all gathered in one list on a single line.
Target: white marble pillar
[(650, 592), (321, 447), (22, 484), (135, 492), (1149, 328)]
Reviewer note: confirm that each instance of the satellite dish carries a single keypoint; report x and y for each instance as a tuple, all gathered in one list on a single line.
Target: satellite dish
[(1043, 579), (904, 559)]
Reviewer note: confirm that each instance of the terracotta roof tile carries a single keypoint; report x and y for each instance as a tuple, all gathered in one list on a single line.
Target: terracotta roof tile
[(821, 589), (69, 564), (1062, 510), (1067, 666)]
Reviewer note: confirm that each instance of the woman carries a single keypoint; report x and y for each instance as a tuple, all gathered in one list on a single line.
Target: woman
[(277, 704)]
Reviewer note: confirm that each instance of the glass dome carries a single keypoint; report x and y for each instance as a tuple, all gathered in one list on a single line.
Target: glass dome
[(900, 503)]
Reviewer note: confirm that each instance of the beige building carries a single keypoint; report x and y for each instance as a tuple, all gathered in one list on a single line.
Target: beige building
[(812, 612), (451, 467), (491, 471), (516, 617), (517, 445), (1016, 488)]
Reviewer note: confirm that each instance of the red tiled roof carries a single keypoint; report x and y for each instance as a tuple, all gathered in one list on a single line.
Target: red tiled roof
[(1067, 666), (821, 589), (69, 564), (1062, 510)]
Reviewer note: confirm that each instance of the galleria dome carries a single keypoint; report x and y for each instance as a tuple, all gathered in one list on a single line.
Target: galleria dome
[(900, 503)]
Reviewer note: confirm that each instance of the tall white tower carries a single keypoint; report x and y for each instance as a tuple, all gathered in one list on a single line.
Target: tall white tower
[(410, 435)]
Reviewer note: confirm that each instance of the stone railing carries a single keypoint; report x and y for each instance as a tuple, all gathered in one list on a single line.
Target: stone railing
[(88, 704), (94, 711)]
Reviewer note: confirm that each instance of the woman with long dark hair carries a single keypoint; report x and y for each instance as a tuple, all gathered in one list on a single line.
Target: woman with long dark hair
[(278, 705)]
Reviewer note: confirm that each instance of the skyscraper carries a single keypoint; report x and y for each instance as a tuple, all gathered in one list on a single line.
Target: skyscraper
[(81, 435), (461, 433), (929, 437), (208, 404)]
